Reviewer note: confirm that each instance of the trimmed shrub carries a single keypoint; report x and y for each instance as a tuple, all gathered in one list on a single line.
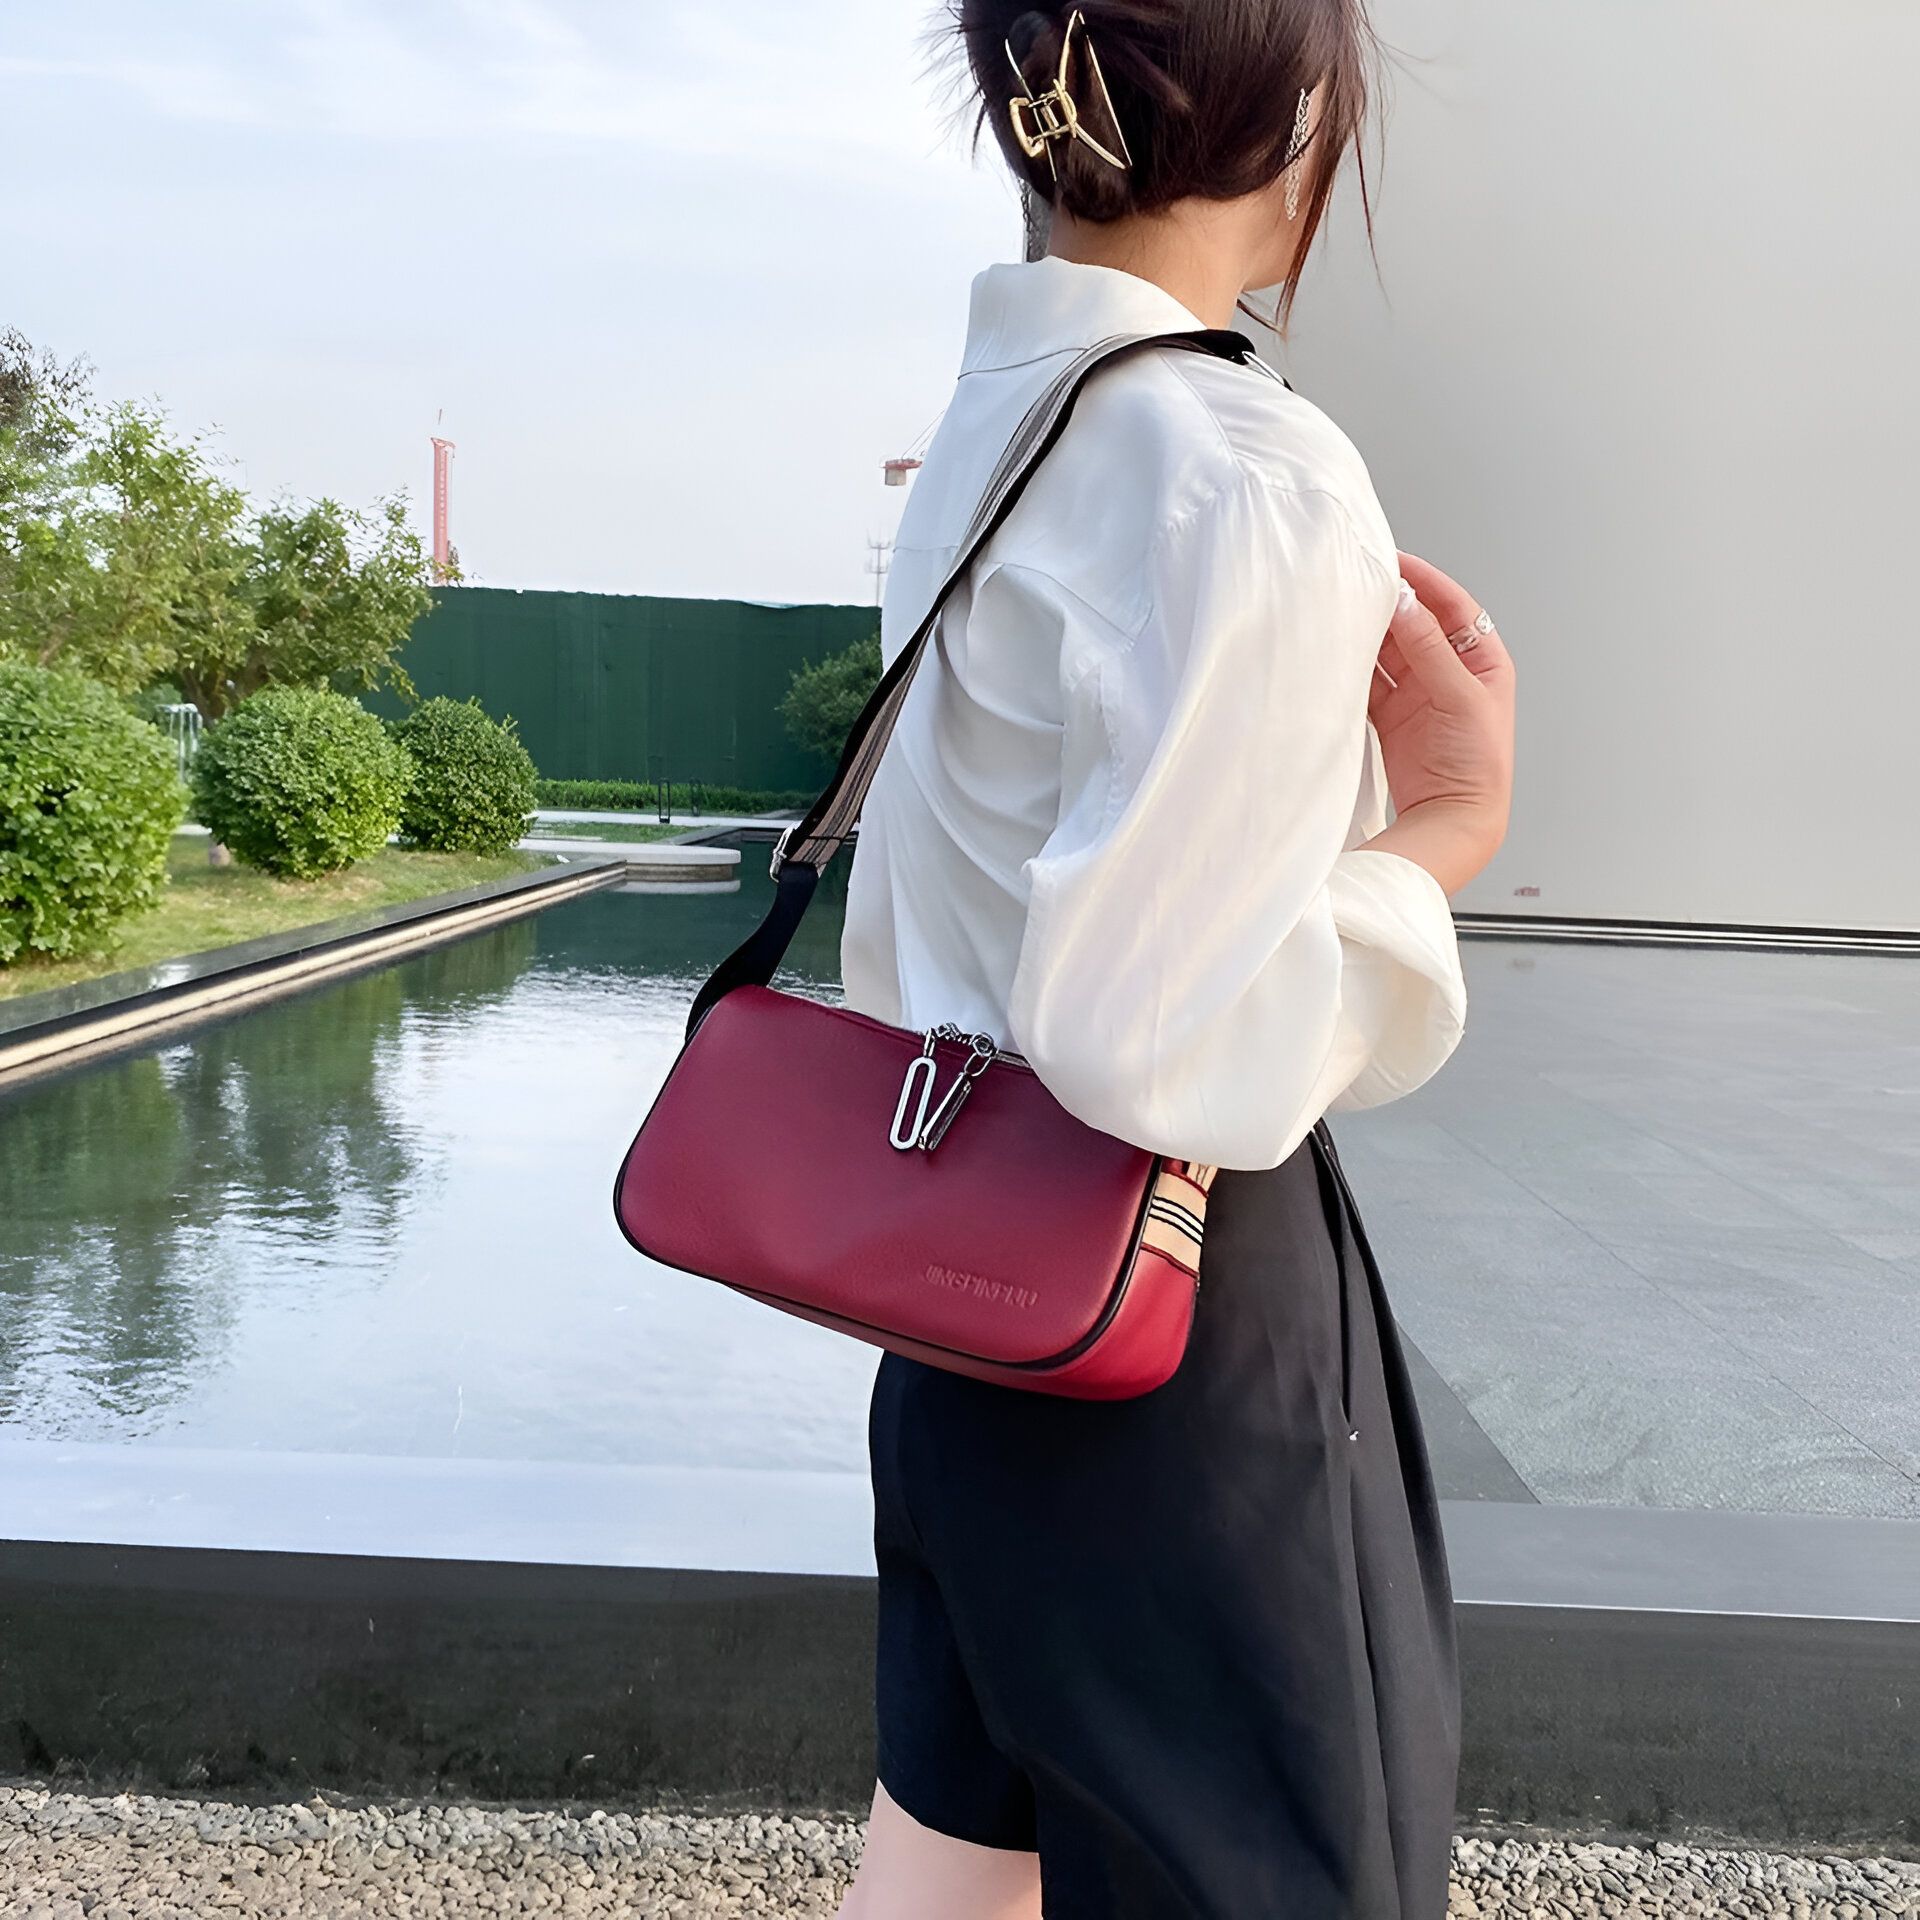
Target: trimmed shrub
[(473, 782), (89, 795), (298, 781), (643, 796)]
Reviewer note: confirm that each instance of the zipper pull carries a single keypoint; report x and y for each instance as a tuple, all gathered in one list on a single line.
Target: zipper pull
[(945, 1112), (921, 1068), (944, 1115)]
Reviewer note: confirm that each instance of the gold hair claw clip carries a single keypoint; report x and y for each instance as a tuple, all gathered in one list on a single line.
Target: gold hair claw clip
[(1039, 119)]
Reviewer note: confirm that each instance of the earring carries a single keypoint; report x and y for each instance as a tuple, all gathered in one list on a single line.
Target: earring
[(1302, 126)]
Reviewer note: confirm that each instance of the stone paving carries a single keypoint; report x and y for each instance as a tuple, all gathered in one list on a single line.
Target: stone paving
[(1656, 1227), (65, 1856)]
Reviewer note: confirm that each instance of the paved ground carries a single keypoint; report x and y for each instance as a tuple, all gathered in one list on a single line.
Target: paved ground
[(64, 1856), (1656, 1227)]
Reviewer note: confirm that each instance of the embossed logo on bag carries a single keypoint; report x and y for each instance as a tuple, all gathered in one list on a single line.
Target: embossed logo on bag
[(994, 1292)]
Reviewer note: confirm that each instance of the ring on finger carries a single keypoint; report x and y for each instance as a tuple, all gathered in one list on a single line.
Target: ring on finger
[(1470, 636)]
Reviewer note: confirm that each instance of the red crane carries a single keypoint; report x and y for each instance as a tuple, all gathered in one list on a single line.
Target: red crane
[(902, 464)]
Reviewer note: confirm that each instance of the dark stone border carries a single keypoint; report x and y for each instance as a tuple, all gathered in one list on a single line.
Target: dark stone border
[(263, 1672), (1739, 936), (1780, 1731), (149, 996)]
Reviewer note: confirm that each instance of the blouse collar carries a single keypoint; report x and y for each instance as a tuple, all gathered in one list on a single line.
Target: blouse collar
[(1023, 310)]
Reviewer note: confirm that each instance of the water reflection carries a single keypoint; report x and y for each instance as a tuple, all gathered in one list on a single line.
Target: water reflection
[(376, 1217), (683, 941), (128, 1189)]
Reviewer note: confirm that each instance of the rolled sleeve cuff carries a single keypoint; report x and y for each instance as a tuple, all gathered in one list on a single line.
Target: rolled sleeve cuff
[(1403, 995)]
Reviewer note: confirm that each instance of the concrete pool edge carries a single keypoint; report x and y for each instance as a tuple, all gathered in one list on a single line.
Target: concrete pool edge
[(39, 1031), (1591, 1712)]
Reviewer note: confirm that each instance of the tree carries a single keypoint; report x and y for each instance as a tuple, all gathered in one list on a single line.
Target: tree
[(826, 696), (166, 547), (330, 597), (126, 556), (118, 543), (40, 399)]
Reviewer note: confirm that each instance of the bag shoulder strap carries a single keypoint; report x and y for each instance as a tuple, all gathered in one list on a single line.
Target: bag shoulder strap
[(811, 842)]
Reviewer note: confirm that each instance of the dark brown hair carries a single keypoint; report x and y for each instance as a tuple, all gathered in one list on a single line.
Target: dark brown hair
[(1205, 93)]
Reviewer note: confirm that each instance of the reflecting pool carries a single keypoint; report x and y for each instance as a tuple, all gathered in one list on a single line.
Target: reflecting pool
[(376, 1218)]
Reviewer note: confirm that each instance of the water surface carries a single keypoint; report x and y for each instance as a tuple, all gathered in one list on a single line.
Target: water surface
[(376, 1218)]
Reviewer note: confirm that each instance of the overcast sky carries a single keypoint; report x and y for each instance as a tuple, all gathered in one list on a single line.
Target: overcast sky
[(680, 275)]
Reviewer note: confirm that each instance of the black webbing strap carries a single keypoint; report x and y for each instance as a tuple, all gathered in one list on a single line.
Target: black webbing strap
[(807, 846)]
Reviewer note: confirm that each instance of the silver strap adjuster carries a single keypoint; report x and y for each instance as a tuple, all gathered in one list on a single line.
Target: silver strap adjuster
[(780, 850)]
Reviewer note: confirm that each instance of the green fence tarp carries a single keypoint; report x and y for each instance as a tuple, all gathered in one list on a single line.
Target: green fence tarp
[(624, 687)]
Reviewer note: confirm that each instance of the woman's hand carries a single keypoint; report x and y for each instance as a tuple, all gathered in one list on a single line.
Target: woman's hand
[(1446, 730)]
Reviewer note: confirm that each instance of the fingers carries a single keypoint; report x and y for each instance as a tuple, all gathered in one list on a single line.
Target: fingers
[(1452, 605), (1425, 651), (1456, 612)]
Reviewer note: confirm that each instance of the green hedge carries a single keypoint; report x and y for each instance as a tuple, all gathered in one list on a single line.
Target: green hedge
[(643, 796), (298, 781), (473, 782), (89, 796)]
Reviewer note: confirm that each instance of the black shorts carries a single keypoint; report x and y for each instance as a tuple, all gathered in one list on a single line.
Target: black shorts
[(1196, 1648)]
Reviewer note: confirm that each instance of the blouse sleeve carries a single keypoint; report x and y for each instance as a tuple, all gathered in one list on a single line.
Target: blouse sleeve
[(1207, 966)]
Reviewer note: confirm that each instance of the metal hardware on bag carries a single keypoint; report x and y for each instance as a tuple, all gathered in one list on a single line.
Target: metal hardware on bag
[(946, 1112), (984, 1053), (810, 1221), (905, 1137)]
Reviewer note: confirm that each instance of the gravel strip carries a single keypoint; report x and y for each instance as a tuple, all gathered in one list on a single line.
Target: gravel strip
[(139, 1857), (1496, 1879)]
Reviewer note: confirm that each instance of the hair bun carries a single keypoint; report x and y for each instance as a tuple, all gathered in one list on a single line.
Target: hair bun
[(1033, 32), (1192, 99)]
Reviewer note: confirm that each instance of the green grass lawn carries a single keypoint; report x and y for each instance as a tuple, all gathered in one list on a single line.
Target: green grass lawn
[(207, 906), (605, 830)]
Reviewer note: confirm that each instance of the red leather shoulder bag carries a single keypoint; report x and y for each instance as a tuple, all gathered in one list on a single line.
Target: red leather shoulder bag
[(923, 1192)]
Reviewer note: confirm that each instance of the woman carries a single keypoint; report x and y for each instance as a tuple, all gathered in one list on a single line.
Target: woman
[(1189, 1654)]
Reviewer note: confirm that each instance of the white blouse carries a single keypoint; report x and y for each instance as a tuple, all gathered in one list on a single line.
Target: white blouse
[(1117, 826)]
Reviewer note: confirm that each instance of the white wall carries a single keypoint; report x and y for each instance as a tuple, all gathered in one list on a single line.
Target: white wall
[(1642, 374)]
